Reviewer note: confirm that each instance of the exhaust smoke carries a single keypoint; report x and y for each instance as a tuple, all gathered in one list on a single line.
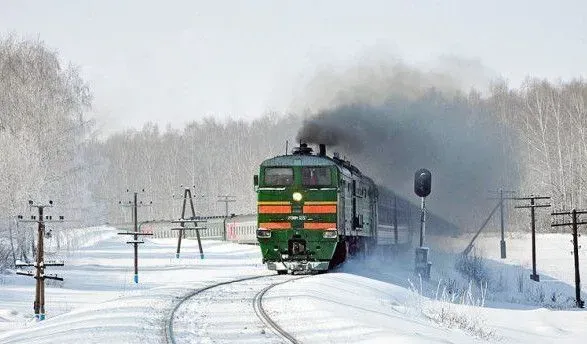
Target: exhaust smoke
[(389, 137)]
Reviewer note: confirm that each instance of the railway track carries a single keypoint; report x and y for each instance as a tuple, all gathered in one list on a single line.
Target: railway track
[(261, 314), (257, 303)]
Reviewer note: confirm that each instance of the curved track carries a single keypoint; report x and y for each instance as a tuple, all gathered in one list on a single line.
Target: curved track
[(260, 311), (257, 306), (169, 336)]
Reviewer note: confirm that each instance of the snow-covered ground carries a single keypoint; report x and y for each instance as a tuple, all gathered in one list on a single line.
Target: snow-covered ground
[(373, 300)]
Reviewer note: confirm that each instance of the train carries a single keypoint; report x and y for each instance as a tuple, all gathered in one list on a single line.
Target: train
[(314, 211)]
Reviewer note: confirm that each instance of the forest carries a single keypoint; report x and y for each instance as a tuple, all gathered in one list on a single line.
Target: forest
[(531, 139)]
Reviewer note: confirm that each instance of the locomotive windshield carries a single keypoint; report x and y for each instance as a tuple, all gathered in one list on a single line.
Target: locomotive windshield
[(316, 176), (278, 176)]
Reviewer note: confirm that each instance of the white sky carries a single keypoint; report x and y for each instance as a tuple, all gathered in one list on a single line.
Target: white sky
[(175, 61)]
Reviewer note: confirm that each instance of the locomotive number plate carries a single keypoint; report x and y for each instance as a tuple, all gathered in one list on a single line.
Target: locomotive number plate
[(297, 217)]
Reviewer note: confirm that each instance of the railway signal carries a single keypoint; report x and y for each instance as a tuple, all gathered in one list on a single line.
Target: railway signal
[(135, 242), (40, 263), (422, 188)]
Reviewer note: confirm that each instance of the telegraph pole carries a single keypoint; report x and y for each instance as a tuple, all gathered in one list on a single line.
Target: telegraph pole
[(535, 277), (501, 199), (135, 233), (575, 222), (40, 264), (187, 194), (226, 199)]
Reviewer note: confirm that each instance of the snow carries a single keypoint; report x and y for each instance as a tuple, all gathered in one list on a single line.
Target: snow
[(372, 300)]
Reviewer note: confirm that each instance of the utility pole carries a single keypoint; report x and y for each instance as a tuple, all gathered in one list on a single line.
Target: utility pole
[(187, 194), (535, 277), (575, 222), (40, 264), (135, 233), (226, 199), (501, 199)]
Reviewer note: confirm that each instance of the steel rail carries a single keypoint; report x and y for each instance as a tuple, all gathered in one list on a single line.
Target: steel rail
[(169, 335), (265, 318)]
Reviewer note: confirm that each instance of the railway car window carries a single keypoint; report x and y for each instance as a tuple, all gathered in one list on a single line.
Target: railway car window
[(278, 176), (316, 176)]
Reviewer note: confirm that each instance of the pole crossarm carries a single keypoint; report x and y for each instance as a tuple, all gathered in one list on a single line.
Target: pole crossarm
[(187, 228), (531, 197), (570, 212), (135, 233), (188, 221), (533, 206)]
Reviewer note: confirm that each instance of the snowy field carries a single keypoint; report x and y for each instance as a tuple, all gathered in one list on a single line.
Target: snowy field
[(372, 300)]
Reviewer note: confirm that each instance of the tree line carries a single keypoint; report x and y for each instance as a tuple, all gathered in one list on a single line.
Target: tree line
[(51, 150)]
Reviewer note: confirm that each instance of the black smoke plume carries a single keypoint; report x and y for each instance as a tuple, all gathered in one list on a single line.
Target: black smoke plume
[(453, 135)]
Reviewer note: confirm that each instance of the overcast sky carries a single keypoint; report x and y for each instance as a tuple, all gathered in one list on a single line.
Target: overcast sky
[(175, 61)]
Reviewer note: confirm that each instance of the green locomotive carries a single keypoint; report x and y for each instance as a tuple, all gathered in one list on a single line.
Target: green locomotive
[(314, 211)]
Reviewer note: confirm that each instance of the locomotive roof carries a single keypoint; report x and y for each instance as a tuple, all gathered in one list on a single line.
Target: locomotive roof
[(298, 160), (309, 160)]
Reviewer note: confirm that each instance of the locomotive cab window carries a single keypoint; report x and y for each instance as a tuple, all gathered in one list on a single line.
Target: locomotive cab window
[(278, 176), (316, 176)]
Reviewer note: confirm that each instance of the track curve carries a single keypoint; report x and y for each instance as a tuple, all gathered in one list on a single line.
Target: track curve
[(263, 316), (257, 304), (169, 336)]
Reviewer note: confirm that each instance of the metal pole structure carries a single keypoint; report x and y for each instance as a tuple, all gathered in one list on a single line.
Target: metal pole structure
[(534, 276), (575, 222), (135, 237), (502, 242), (39, 267), (532, 206), (196, 227), (423, 221), (188, 195), (580, 303), (181, 233)]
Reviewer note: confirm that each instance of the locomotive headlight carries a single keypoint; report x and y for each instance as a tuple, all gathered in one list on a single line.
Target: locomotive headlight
[(297, 196)]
